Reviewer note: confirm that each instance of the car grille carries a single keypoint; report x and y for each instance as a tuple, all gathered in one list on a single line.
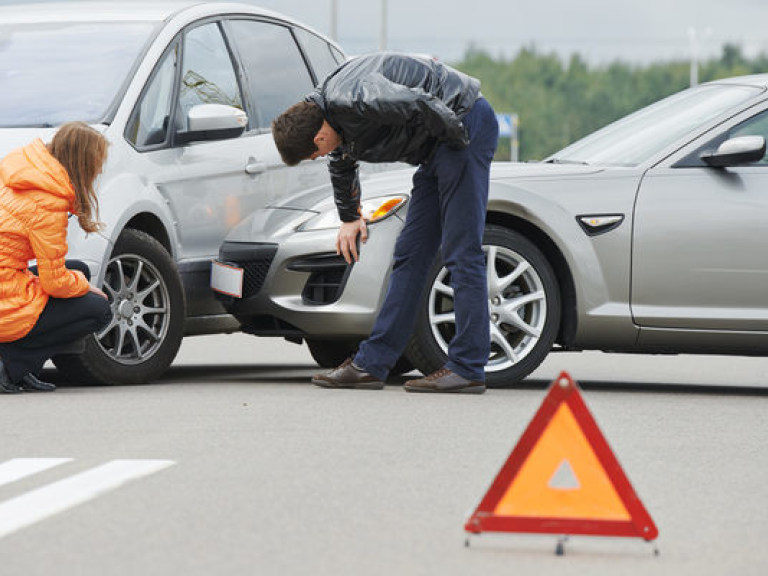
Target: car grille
[(255, 273), (327, 278), (254, 259)]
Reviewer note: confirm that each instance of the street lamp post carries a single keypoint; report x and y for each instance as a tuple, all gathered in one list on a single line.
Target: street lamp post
[(695, 46), (335, 20), (383, 37), (694, 70)]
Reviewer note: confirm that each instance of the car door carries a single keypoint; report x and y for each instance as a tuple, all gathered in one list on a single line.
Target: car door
[(700, 250), (275, 76), (221, 182), (212, 184)]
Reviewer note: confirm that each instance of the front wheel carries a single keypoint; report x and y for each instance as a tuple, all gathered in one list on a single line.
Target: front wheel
[(331, 353), (524, 304), (148, 312)]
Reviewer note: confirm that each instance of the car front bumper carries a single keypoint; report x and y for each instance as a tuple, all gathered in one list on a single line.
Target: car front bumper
[(294, 283)]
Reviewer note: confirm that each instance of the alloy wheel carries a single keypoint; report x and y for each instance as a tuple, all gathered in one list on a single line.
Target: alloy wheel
[(517, 307), (140, 309)]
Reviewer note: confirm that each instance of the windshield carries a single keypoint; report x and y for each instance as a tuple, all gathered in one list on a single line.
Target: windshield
[(53, 73), (636, 138)]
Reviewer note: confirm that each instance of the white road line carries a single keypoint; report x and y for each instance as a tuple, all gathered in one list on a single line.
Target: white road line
[(24, 510), (19, 468)]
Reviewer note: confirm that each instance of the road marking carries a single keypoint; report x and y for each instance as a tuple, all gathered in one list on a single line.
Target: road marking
[(24, 510), (19, 468)]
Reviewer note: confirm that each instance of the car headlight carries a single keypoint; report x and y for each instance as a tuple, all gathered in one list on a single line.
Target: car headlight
[(373, 210)]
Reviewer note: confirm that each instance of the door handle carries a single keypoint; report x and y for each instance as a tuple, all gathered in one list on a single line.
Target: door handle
[(253, 167)]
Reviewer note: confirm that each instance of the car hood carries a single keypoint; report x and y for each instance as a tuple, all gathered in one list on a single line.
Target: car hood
[(287, 214), (377, 184), (520, 170), (399, 182), (12, 138)]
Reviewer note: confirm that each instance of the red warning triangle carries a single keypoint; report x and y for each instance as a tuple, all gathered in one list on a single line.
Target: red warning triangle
[(562, 478)]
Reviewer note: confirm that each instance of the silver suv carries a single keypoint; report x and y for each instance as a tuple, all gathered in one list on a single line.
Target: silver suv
[(185, 93)]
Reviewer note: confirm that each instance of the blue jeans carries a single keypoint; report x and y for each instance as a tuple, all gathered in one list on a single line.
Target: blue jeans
[(447, 208)]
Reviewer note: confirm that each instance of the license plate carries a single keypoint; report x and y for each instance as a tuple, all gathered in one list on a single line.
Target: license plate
[(227, 279)]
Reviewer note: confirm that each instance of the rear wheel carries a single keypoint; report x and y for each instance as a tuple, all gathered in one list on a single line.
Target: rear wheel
[(524, 301), (148, 312)]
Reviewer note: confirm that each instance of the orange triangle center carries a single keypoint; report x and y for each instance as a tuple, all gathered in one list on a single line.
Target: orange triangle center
[(562, 478)]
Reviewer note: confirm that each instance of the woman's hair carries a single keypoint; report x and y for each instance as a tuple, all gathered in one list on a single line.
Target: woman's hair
[(294, 132), (82, 151)]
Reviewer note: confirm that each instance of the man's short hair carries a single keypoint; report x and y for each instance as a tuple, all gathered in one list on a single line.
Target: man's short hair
[(294, 132)]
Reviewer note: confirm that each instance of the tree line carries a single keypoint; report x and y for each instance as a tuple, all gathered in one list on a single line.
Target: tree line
[(559, 101)]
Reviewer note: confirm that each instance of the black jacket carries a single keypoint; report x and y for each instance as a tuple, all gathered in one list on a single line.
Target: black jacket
[(390, 107)]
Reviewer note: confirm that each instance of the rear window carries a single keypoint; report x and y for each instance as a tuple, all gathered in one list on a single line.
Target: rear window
[(54, 73)]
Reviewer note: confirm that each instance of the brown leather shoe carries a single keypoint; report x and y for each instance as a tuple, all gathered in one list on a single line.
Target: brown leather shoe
[(347, 376), (444, 380)]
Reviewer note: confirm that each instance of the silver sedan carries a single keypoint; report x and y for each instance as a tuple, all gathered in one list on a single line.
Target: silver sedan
[(647, 236)]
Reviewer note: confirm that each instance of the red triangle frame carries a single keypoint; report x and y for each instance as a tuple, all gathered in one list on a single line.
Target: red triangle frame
[(563, 390)]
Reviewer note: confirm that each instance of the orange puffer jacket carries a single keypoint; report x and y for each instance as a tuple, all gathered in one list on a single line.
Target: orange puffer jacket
[(36, 198)]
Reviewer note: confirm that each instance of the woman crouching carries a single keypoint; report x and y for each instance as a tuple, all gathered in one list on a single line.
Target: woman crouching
[(46, 308)]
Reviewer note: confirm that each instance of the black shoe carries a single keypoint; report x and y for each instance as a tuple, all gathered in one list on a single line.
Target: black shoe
[(31, 383), (6, 386)]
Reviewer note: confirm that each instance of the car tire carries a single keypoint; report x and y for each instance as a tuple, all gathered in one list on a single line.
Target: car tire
[(148, 307), (331, 353), (525, 311)]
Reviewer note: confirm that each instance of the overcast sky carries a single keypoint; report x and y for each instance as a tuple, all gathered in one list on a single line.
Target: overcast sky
[(600, 30)]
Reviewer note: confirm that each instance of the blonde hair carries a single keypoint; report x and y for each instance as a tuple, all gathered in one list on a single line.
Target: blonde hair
[(82, 151)]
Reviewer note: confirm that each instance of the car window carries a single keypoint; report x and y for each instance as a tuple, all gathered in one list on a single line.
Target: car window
[(276, 74), (149, 123), (338, 55), (755, 126), (639, 136), (51, 73), (318, 51), (207, 75)]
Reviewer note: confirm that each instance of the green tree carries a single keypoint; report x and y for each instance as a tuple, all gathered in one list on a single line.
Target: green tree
[(559, 101)]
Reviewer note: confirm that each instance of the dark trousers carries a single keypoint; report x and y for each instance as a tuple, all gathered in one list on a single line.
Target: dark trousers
[(447, 208), (63, 321)]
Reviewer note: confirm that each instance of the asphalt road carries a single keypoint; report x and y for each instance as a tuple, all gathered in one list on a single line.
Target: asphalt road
[(233, 464)]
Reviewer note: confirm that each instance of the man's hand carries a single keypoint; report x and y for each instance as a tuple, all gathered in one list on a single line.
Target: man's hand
[(97, 291), (346, 242)]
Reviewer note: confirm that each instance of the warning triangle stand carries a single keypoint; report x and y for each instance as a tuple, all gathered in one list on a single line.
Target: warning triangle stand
[(562, 478)]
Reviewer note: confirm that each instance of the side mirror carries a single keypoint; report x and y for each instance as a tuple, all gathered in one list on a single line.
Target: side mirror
[(213, 122), (736, 151)]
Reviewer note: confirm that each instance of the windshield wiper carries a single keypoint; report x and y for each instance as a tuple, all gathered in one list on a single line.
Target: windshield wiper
[(564, 161), (42, 125)]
